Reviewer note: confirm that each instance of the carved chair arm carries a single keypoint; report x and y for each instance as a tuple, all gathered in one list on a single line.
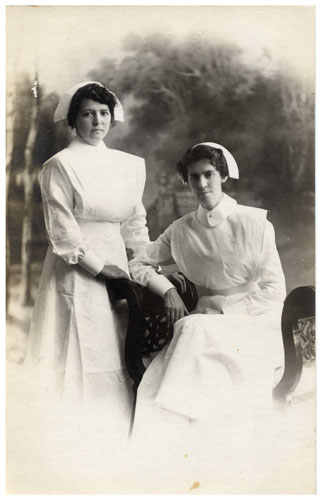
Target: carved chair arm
[(147, 328), (298, 331)]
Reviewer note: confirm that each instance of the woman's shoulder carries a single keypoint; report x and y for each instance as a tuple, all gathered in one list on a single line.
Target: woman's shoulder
[(132, 166), (251, 213), (58, 158), (56, 167), (251, 219), (128, 158), (185, 220)]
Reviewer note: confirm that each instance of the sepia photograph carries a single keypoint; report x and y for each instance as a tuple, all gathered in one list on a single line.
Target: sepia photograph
[(160, 249)]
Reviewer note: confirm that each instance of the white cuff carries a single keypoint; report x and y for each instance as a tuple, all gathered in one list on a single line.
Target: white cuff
[(91, 263), (159, 284)]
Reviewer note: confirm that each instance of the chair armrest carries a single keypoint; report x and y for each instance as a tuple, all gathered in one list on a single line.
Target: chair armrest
[(298, 322), (146, 314)]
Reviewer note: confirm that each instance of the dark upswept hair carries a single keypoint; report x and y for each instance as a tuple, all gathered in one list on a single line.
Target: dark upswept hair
[(203, 152), (96, 93)]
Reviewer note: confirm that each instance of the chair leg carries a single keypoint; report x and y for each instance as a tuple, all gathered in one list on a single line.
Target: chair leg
[(133, 414)]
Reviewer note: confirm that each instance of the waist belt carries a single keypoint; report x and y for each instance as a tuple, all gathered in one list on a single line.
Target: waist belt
[(249, 286)]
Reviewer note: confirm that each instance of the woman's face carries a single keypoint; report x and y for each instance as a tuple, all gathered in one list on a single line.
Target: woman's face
[(206, 183), (93, 121)]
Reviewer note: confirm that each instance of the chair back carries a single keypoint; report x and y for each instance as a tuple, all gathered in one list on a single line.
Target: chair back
[(298, 331)]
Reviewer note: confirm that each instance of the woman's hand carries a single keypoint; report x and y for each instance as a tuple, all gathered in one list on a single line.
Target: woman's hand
[(113, 272), (175, 307)]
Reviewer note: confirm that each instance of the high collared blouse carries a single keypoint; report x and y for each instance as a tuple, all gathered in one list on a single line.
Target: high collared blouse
[(91, 194), (231, 247)]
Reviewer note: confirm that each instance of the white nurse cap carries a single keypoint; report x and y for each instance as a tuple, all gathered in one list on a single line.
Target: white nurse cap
[(232, 164), (63, 106)]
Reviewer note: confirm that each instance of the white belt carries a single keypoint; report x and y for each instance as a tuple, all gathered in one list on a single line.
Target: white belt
[(249, 286)]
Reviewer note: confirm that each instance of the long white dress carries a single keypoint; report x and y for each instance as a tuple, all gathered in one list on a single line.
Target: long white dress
[(93, 212), (221, 360)]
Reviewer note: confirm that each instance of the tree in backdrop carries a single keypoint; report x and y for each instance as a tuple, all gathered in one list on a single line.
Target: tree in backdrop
[(178, 94), (26, 238), (10, 122), (30, 140)]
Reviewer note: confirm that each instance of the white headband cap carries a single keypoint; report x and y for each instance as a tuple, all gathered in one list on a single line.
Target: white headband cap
[(232, 164), (63, 106)]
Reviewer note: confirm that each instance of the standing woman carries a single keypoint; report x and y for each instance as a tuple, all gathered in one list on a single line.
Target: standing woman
[(93, 212)]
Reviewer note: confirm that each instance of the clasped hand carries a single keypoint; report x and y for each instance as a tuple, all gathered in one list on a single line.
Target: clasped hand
[(113, 272), (174, 306)]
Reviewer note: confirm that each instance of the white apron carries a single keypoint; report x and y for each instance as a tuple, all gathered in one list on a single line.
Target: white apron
[(93, 211)]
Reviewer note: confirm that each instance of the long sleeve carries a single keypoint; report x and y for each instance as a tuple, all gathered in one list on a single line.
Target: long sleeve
[(270, 275), (134, 230), (63, 232), (144, 266)]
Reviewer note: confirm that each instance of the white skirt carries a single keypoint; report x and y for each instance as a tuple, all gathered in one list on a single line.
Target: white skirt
[(76, 341), (216, 367)]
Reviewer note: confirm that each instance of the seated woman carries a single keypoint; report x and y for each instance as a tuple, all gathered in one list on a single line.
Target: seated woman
[(222, 357)]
